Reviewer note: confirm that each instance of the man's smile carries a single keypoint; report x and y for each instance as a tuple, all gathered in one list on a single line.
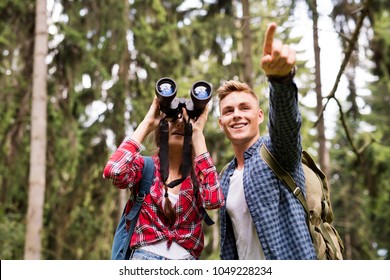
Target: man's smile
[(238, 125)]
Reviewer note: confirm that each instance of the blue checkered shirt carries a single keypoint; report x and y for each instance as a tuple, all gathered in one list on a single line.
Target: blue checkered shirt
[(278, 216)]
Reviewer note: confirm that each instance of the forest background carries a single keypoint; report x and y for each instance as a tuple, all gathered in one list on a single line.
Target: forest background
[(76, 77)]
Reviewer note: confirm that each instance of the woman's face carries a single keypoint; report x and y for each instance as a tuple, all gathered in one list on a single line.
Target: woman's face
[(176, 133)]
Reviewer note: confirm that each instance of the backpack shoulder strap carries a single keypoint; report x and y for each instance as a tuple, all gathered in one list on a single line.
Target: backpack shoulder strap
[(284, 176), (144, 189)]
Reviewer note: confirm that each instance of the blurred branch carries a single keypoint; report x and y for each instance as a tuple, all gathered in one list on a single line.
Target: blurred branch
[(332, 95)]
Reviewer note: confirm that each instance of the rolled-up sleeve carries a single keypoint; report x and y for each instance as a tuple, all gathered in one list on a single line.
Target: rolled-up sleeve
[(209, 188), (124, 166)]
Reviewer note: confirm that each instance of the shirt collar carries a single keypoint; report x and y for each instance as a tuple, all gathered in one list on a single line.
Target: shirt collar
[(253, 149), (247, 154)]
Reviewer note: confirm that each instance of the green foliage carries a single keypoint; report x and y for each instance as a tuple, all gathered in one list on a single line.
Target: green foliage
[(12, 231)]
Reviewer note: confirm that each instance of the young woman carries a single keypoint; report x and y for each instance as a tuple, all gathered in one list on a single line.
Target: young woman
[(170, 222)]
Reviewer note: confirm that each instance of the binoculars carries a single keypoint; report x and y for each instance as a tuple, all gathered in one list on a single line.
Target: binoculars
[(166, 90)]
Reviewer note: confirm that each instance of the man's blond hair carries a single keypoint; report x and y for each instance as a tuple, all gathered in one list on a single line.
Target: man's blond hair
[(230, 86)]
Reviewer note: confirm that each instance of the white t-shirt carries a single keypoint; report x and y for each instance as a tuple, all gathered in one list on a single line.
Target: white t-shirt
[(175, 251), (247, 240)]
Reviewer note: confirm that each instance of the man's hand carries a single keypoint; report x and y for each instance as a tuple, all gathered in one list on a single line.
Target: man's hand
[(278, 60)]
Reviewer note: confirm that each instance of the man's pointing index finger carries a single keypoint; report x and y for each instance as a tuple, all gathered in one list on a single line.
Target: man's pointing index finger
[(269, 39)]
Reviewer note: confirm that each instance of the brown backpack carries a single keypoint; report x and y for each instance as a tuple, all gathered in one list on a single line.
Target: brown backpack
[(326, 240)]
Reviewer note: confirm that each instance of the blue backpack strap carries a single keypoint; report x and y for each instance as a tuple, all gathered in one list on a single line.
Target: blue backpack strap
[(144, 188), (132, 216)]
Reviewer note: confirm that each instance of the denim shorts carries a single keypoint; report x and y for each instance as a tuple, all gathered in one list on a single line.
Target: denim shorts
[(139, 254)]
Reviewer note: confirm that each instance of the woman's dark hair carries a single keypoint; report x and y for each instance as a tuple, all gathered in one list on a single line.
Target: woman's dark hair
[(169, 212)]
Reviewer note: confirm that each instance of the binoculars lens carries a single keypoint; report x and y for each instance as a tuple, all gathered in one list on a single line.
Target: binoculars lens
[(201, 92), (166, 89)]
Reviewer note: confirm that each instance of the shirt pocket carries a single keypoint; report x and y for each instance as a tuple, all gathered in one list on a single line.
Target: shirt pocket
[(264, 185)]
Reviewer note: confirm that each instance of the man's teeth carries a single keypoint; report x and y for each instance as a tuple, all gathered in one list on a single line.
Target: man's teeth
[(238, 125)]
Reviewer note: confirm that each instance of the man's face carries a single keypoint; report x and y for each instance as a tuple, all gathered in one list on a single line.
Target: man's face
[(240, 118)]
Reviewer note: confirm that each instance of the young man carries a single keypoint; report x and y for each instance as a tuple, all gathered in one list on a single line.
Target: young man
[(262, 219)]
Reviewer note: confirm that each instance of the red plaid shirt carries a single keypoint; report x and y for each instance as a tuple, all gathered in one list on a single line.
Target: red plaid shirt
[(124, 170)]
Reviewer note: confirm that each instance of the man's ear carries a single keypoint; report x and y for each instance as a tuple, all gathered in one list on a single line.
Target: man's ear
[(220, 123), (260, 115)]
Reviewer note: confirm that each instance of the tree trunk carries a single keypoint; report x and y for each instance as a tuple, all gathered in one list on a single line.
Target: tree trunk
[(246, 44), (123, 87), (323, 153), (37, 176)]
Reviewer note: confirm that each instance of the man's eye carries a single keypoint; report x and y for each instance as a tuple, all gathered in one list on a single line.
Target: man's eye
[(227, 112)]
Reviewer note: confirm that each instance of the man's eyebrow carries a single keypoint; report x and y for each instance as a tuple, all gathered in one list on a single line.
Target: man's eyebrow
[(244, 103), (241, 104)]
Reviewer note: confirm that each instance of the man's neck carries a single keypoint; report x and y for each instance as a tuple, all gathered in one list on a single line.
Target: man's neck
[(239, 150)]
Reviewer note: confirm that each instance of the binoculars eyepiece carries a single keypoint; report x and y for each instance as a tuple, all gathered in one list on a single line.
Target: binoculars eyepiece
[(166, 90)]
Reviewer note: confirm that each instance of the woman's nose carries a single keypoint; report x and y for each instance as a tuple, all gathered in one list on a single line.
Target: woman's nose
[(179, 122)]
